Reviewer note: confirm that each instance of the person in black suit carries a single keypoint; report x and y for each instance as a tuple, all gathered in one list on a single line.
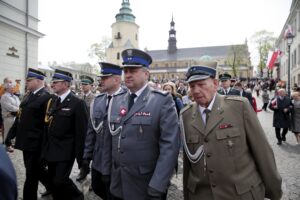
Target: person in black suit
[(8, 180), (225, 85), (281, 119), (67, 119), (28, 129), (238, 86)]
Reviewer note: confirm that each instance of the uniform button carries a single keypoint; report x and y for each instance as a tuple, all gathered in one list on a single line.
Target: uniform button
[(123, 136), (208, 155), (211, 171), (205, 139), (213, 185), (122, 151)]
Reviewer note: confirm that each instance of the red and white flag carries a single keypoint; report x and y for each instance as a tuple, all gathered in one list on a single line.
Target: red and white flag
[(287, 31)]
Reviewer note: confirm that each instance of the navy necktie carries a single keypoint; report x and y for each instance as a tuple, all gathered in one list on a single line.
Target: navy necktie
[(131, 100), (108, 100)]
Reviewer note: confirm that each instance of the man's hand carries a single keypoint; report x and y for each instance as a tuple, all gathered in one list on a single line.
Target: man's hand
[(153, 194), (84, 170)]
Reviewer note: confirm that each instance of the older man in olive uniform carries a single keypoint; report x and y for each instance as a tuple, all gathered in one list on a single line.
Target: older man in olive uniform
[(98, 139), (145, 141), (227, 155), (67, 120), (86, 87), (226, 88)]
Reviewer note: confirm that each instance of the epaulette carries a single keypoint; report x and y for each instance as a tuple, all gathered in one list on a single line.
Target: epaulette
[(164, 93), (186, 108), (120, 93), (99, 95), (234, 98)]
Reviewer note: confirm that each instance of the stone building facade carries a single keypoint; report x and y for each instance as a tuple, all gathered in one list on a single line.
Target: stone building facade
[(282, 69), (18, 37), (172, 63)]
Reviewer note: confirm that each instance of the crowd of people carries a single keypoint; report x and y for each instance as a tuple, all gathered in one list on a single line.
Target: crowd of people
[(129, 133)]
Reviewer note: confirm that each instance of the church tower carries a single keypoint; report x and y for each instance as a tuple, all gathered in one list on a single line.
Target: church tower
[(172, 48), (124, 34)]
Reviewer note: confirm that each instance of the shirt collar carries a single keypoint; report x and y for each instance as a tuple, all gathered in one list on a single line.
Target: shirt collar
[(139, 92), (36, 91), (116, 92), (63, 96), (201, 109)]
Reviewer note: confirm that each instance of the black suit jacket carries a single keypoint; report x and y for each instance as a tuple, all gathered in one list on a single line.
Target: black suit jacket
[(66, 130), (232, 91), (248, 96), (29, 126)]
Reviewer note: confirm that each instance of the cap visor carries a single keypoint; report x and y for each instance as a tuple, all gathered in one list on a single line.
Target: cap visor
[(124, 66), (197, 78)]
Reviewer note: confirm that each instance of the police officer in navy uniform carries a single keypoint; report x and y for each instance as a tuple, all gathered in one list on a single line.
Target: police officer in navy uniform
[(28, 129), (87, 95), (67, 119), (98, 139), (226, 88), (145, 134)]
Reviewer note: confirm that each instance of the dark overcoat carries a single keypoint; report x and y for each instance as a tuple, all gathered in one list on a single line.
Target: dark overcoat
[(30, 122), (281, 119), (66, 129)]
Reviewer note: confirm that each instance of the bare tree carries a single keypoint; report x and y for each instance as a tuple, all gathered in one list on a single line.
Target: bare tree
[(236, 57), (97, 50), (265, 41)]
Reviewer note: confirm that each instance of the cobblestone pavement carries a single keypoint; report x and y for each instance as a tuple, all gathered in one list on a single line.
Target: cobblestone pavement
[(287, 158)]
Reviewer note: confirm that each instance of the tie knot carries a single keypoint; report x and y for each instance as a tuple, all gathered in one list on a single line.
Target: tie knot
[(133, 95), (206, 111)]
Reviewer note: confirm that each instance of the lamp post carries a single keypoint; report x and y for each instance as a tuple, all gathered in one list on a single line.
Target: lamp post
[(289, 39)]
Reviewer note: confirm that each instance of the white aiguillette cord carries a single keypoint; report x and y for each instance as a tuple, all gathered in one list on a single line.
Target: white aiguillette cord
[(118, 130), (100, 125), (193, 158)]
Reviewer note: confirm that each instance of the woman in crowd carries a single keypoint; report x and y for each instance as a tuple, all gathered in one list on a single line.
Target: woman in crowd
[(295, 123), (171, 88), (265, 99), (10, 106)]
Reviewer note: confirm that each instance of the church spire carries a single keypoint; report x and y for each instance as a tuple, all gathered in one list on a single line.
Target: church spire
[(125, 12), (172, 48)]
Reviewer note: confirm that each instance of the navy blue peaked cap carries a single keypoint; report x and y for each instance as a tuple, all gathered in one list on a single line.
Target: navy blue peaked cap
[(35, 74), (202, 71), (109, 69), (60, 75), (136, 58)]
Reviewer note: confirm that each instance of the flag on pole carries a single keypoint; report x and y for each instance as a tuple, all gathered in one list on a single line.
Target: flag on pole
[(273, 58), (287, 31)]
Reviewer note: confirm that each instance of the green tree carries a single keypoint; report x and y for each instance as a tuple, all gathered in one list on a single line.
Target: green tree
[(264, 41), (236, 57), (97, 50)]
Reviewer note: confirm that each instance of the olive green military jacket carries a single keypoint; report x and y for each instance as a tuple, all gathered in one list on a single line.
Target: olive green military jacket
[(238, 162), (88, 99)]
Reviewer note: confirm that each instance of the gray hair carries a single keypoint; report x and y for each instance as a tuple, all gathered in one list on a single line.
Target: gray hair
[(8, 85)]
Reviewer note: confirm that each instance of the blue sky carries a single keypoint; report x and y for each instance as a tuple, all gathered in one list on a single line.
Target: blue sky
[(71, 26)]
